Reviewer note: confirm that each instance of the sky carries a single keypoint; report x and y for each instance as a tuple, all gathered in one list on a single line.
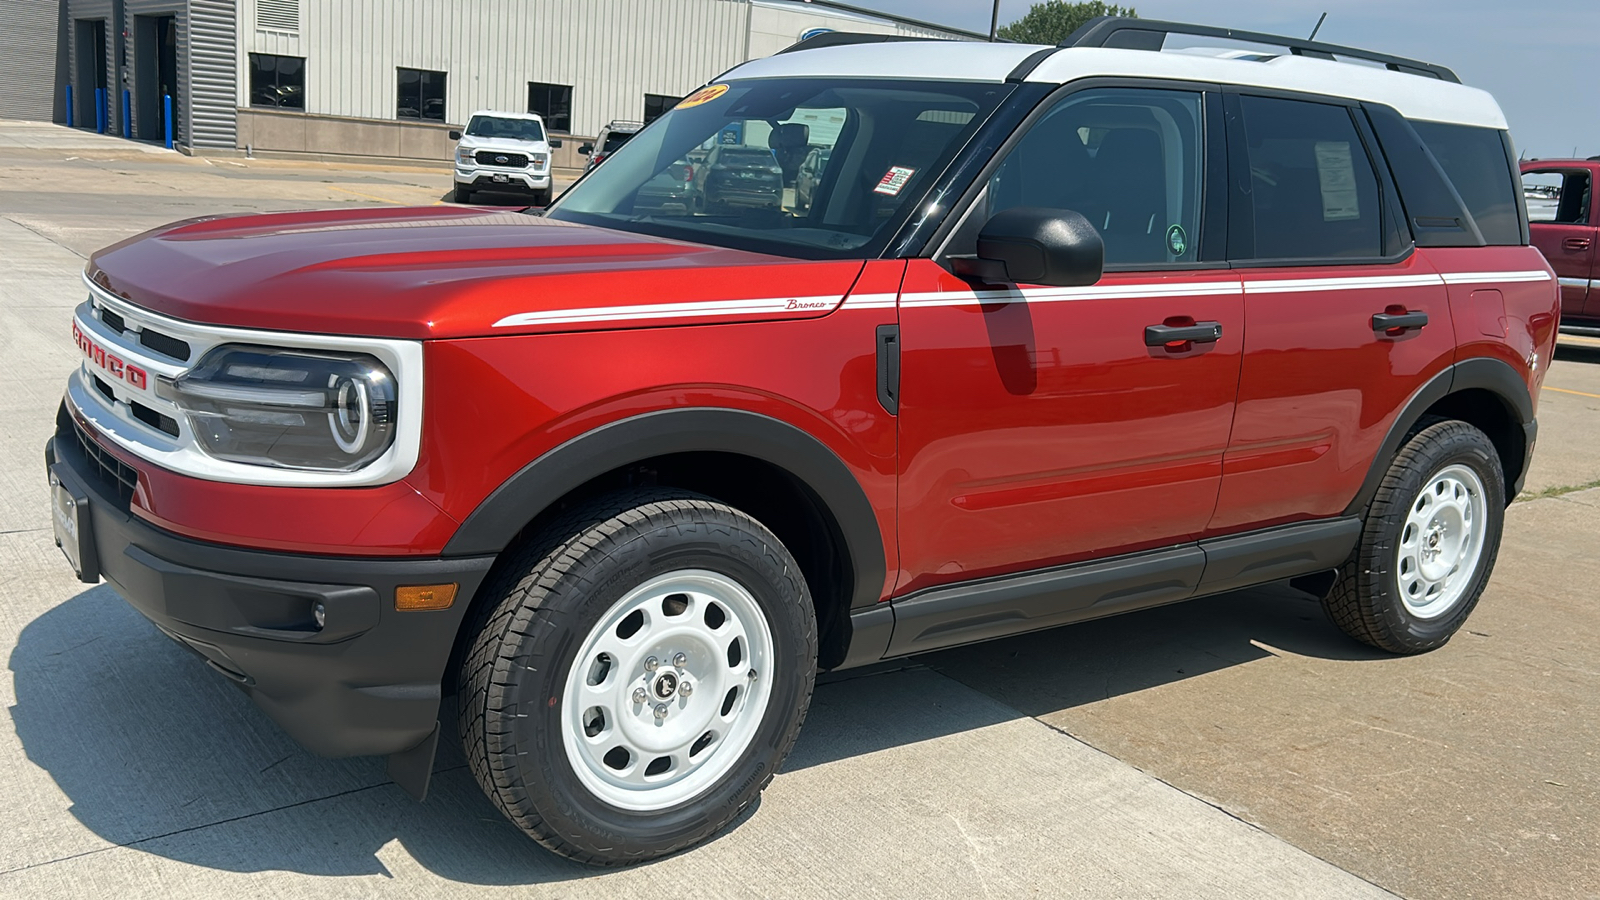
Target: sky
[(1539, 58)]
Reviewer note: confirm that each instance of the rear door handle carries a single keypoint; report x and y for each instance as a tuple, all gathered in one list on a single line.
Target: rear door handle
[(1575, 243), (1398, 322), (1199, 333)]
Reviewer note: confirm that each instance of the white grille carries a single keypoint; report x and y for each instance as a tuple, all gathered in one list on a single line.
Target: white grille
[(278, 15)]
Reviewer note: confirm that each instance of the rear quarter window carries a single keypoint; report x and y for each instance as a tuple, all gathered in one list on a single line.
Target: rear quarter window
[(1478, 165)]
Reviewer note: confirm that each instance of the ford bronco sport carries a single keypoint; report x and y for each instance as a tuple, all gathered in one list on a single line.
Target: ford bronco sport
[(1062, 332)]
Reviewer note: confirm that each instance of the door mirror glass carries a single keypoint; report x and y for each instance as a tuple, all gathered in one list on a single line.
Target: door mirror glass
[(455, 135), (555, 143), (585, 149), (1032, 245)]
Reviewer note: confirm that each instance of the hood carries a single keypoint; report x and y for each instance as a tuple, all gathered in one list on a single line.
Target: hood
[(443, 272), (509, 145)]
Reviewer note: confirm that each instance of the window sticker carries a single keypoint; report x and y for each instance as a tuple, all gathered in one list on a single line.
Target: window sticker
[(894, 181), (704, 95), (1337, 175)]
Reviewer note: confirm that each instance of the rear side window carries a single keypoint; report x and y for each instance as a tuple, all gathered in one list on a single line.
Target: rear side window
[(1479, 167), (1313, 190)]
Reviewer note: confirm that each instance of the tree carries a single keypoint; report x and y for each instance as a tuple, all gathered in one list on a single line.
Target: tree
[(1052, 21)]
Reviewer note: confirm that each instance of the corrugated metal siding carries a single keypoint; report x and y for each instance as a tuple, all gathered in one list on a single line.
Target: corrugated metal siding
[(29, 34), (213, 73), (612, 52)]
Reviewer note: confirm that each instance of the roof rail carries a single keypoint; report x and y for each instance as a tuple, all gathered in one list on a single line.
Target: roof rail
[(847, 38), (1150, 34)]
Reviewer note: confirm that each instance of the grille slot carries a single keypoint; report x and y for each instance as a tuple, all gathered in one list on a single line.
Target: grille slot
[(493, 157), (105, 389), (115, 476), (113, 321), (166, 345), (154, 419)]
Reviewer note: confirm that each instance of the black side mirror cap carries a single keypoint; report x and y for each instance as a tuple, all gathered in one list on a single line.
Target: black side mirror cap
[(1034, 245), (586, 149), (555, 143), (455, 135)]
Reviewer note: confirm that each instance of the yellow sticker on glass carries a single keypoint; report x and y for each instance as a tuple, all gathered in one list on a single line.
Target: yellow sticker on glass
[(705, 95)]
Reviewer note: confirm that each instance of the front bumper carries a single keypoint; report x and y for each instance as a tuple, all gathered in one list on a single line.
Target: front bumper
[(486, 179), (367, 683)]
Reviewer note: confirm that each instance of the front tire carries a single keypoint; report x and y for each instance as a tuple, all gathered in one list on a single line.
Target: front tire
[(541, 198), (463, 194), (1428, 544), (643, 675)]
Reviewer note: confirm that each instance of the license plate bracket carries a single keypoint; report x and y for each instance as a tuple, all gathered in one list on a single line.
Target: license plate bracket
[(70, 519)]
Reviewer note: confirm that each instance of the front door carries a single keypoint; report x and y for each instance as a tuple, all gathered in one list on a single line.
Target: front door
[(1559, 220), (1039, 425)]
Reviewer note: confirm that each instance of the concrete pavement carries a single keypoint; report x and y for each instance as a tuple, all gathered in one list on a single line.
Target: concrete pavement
[(1235, 746)]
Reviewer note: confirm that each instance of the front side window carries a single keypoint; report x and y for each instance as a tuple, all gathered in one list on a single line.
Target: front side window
[(277, 82), (421, 95), (502, 127), (1313, 191), (1128, 160), (1560, 197), (723, 167), (1478, 165), (657, 105), (553, 104)]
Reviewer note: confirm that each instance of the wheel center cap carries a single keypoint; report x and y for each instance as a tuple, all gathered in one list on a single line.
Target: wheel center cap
[(665, 686)]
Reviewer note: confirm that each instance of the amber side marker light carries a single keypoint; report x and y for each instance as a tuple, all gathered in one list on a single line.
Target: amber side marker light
[(424, 596)]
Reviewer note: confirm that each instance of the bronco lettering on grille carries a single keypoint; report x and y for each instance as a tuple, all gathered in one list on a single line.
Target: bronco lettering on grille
[(113, 365)]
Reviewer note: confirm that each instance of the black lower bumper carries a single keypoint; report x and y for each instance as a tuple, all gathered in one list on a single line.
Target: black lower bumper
[(367, 682)]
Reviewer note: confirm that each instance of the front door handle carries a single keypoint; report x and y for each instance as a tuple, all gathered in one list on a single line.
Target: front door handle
[(1575, 244), (1397, 323), (1169, 335)]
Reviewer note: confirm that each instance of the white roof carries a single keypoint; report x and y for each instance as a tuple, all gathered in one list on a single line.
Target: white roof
[(502, 114), (1414, 96)]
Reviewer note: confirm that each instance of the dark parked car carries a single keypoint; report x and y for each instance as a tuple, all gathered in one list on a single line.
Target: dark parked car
[(740, 176), (809, 177), (671, 192)]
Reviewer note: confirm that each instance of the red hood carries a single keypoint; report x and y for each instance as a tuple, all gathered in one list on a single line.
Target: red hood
[(451, 272)]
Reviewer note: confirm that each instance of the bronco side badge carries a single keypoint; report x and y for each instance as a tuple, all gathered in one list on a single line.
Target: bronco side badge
[(1177, 241)]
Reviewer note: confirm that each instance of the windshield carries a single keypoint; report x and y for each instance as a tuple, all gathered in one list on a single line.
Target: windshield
[(735, 150), (514, 129)]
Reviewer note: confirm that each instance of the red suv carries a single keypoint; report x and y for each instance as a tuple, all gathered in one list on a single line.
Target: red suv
[(1061, 333)]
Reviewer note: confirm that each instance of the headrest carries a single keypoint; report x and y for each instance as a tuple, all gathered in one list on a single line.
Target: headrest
[(790, 136)]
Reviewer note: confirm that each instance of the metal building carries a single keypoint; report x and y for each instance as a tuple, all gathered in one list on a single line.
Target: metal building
[(384, 78)]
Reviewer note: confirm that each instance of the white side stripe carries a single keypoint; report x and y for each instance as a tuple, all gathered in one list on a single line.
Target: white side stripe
[(1358, 283), (695, 309), (1057, 295), (1490, 277)]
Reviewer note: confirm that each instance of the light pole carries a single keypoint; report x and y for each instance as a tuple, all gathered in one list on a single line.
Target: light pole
[(994, 22)]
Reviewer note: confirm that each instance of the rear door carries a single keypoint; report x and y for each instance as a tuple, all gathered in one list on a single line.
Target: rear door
[(1327, 270), (1039, 425), (1560, 218)]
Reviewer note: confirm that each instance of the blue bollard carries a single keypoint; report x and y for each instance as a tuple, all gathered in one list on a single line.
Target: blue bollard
[(100, 110), (127, 114), (168, 99), (69, 106)]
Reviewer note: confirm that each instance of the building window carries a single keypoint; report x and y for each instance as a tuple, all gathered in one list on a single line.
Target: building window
[(421, 95), (656, 106), (277, 82), (553, 103)]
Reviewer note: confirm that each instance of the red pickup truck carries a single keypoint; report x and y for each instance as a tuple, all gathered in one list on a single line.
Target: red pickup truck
[(1060, 333), (1564, 218)]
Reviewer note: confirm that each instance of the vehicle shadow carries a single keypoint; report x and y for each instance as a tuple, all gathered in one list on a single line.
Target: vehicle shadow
[(152, 749), (492, 198)]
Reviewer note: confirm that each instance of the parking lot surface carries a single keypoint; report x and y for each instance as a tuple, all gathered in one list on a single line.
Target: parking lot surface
[(1237, 746)]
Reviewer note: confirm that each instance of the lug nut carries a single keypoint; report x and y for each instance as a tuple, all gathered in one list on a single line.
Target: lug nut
[(661, 711), (652, 664), (638, 695), (685, 689), (680, 660)]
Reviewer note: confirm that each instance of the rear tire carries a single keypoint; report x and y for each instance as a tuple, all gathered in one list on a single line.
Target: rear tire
[(1428, 545), (637, 594)]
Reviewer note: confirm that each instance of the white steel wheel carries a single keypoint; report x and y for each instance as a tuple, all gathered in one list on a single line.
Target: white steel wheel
[(668, 690), (1441, 542)]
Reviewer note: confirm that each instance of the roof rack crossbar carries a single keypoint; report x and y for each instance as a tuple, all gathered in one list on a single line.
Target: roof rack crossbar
[(1150, 34), (848, 38)]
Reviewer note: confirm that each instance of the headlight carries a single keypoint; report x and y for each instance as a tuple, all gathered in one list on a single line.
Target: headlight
[(295, 409), (540, 159), (464, 156)]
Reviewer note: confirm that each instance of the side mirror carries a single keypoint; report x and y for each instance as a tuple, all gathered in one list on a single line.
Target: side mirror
[(586, 149), (455, 135), (555, 143), (1032, 245)]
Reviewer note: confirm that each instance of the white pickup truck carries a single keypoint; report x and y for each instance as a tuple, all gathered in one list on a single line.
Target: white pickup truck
[(503, 151)]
